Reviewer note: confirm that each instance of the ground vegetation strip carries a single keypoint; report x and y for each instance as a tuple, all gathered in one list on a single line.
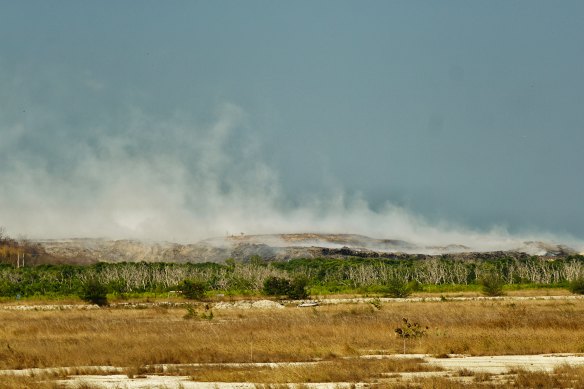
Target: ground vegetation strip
[(322, 275), (158, 335), (563, 377)]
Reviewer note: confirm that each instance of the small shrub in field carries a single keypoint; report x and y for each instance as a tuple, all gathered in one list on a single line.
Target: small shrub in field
[(464, 372), (577, 286), (376, 302), (398, 288), (193, 290), (208, 314), (191, 313), (410, 331), (94, 292), (492, 284)]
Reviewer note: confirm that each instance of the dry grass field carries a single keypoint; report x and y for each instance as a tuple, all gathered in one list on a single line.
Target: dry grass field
[(140, 340)]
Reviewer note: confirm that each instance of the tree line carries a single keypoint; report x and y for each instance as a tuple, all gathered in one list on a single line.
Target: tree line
[(251, 277)]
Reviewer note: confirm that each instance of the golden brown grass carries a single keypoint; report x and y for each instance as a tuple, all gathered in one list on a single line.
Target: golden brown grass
[(13, 382), (156, 336), (562, 378), (343, 370), (539, 292)]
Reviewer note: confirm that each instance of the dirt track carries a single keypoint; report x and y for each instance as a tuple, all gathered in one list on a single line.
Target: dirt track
[(269, 304), (498, 365)]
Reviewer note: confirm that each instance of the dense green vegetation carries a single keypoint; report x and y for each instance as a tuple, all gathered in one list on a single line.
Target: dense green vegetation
[(194, 290), (577, 285), (94, 292), (392, 277), (294, 289)]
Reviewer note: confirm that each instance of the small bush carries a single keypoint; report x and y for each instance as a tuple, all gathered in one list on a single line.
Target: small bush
[(410, 331), (376, 302), (94, 292), (492, 284), (193, 290), (577, 286), (191, 313), (208, 314), (276, 286), (297, 290), (415, 286), (398, 288)]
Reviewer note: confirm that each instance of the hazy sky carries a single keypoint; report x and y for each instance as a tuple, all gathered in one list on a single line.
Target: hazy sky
[(186, 119)]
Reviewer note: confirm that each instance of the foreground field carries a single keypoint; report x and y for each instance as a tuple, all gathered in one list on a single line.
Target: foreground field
[(328, 342)]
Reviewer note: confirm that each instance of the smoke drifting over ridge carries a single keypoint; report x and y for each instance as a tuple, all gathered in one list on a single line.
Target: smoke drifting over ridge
[(183, 181), (396, 120)]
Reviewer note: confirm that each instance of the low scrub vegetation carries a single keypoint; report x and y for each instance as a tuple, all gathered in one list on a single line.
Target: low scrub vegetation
[(294, 289), (297, 278), (192, 289), (492, 284), (335, 370), (398, 287), (94, 292), (577, 286)]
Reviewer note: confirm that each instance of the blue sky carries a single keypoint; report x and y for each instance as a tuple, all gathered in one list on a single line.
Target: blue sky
[(186, 119)]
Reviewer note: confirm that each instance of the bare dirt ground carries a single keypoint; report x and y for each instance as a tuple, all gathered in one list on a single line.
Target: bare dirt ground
[(121, 381), (499, 364), (270, 304), (452, 365)]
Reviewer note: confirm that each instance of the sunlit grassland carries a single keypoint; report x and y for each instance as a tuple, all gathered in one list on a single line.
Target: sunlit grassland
[(374, 374), (139, 337)]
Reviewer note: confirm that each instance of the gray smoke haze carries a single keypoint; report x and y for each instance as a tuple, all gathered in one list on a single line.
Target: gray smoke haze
[(179, 180), (429, 122)]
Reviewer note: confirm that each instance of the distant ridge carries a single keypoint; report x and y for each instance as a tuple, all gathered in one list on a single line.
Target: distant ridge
[(273, 247)]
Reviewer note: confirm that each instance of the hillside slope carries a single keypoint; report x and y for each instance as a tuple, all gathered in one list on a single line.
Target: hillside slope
[(275, 247)]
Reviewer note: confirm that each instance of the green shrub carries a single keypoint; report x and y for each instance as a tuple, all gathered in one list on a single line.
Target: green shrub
[(297, 290), (191, 313), (376, 302), (577, 286), (276, 286), (397, 287), (94, 292), (415, 286), (492, 284), (193, 290)]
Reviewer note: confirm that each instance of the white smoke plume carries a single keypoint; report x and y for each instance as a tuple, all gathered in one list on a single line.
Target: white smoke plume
[(182, 181)]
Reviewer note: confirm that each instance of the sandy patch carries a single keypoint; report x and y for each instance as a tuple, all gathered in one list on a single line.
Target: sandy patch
[(500, 366), (270, 304), (149, 381), (259, 304)]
